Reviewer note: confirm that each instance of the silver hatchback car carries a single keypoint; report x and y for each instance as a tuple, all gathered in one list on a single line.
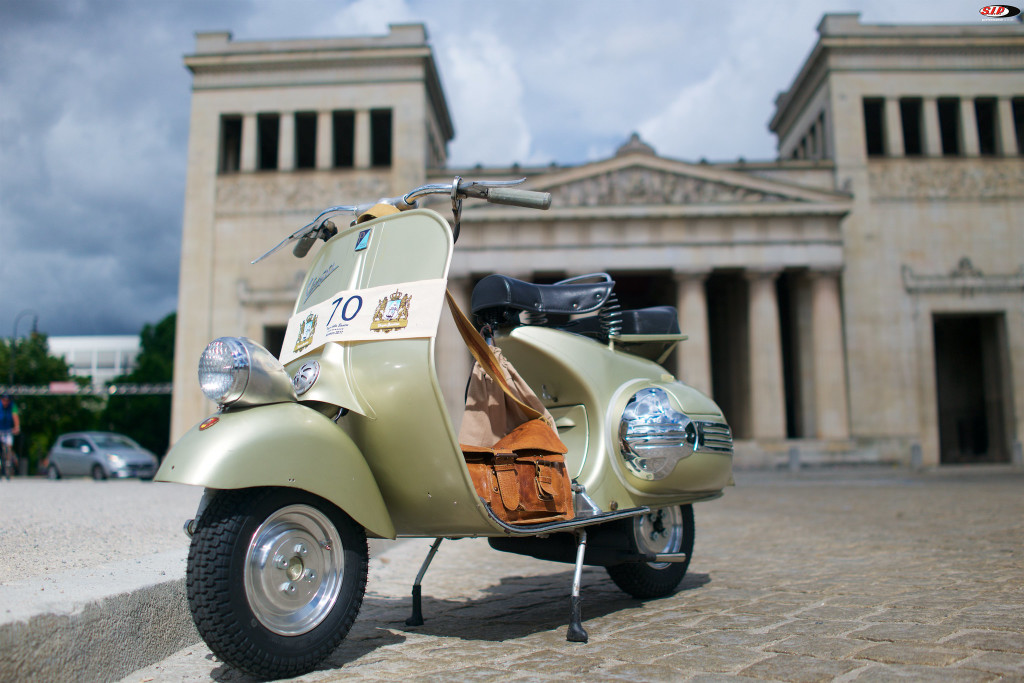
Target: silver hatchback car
[(100, 455)]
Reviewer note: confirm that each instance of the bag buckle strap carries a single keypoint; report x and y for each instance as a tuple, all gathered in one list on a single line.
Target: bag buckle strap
[(508, 481)]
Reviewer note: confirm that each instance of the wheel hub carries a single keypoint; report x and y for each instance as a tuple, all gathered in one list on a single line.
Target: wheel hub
[(660, 531), (294, 567)]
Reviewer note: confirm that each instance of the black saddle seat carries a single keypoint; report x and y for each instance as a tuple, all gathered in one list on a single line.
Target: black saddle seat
[(653, 320), (508, 296)]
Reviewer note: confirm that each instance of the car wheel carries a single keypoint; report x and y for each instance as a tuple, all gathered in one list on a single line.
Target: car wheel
[(52, 472), (98, 473), (275, 579), (665, 530)]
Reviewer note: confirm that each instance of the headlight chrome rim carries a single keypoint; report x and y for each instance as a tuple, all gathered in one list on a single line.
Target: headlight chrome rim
[(224, 370)]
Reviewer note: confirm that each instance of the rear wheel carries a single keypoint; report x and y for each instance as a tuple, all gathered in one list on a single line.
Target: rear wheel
[(52, 472), (665, 530), (275, 579)]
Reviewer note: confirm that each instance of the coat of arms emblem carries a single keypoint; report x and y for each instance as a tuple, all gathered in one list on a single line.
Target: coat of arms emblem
[(392, 312), (306, 330)]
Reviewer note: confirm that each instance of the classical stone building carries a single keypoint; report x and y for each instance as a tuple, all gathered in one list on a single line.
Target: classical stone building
[(860, 298)]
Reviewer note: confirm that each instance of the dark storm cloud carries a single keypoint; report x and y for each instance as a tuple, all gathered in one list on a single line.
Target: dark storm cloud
[(94, 132)]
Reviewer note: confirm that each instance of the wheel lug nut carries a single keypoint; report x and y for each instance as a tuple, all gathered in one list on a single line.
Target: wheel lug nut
[(280, 561), (300, 549), (310, 575), (288, 587)]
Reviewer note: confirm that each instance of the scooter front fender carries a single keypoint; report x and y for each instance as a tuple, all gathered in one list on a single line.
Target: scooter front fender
[(281, 444)]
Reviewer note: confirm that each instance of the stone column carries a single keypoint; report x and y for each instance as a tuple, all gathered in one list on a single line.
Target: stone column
[(362, 141), (286, 142), (893, 128), (828, 359), (932, 136), (324, 140), (249, 143), (1008, 142), (693, 356), (968, 128), (767, 392)]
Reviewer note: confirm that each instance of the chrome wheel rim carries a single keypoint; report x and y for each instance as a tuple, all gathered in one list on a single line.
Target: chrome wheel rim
[(659, 531), (294, 568)]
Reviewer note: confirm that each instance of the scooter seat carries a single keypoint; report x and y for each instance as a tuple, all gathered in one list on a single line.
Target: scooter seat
[(508, 296), (653, 320)]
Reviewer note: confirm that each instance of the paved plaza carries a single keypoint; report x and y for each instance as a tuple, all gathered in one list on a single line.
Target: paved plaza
[(848, 575)]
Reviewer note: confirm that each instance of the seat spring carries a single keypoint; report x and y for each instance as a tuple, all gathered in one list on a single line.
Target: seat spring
[(611, 317)]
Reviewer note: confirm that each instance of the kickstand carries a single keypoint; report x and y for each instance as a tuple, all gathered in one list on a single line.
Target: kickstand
[(416, 619), (576, 633)]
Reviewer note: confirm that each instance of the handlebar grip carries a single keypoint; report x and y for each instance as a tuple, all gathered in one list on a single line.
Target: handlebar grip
[(513, 197), (304, 244)]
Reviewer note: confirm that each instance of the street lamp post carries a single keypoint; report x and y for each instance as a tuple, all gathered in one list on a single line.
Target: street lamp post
[(14, 336)]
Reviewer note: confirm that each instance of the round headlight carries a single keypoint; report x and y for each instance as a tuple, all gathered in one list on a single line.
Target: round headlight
[(654, 436), (224, 370)]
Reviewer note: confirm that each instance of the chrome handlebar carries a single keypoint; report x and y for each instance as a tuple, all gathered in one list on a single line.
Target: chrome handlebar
[(493, 191)]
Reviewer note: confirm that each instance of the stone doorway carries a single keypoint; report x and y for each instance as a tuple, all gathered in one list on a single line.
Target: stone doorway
[(972, 383)]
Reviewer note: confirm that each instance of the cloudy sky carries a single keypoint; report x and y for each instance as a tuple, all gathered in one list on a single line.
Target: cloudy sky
[(94, 103)]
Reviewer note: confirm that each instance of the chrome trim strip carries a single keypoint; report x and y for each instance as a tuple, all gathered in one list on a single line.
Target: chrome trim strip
[(568, 525)]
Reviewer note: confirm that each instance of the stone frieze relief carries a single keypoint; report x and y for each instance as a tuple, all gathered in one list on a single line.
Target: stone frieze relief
[(947, 179), (245, 193), (633, 186)]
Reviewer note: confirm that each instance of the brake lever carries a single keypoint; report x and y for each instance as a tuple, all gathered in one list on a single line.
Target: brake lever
[(311, 229)]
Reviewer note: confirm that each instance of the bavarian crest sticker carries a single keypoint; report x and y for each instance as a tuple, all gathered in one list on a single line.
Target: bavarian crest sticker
[(392, 312), (306, 330)]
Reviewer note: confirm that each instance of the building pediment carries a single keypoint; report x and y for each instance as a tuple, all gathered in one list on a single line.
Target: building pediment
[(642, 185), (643, 179)]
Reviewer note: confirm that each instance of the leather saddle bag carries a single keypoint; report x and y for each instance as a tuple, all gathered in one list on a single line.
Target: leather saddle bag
[(523, 477)]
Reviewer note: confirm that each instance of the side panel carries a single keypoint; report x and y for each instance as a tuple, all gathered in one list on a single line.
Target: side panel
[(577, 371), (283, 444)]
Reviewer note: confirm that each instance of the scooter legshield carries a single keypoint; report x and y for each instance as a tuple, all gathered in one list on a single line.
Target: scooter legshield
[(281, 444)]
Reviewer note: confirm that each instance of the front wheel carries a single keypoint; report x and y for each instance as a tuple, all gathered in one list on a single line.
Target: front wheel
[(275, 579), (665, 530)]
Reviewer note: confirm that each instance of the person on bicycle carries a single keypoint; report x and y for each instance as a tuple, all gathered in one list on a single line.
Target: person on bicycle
[(10, 425)]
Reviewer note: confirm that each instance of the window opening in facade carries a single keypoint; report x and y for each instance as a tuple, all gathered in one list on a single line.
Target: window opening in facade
[(910, 118), (824, 136), (268, 129), (305, 139), (344, 124), (874, 125), (380, 137), (1018, 124), (974, 404), (230, 143), (985, 115), (949, 125)]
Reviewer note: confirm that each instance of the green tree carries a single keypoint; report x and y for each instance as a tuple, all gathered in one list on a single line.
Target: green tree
[(146, 418), (44, 418)]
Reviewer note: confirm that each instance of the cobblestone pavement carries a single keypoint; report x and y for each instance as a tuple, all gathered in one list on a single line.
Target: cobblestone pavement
[(850, 576)]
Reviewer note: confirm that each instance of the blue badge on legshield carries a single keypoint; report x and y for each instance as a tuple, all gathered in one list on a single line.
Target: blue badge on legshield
[(364, 239)]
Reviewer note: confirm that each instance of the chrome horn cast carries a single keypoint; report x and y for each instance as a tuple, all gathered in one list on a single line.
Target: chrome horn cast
[(653, 436), (293, 570)]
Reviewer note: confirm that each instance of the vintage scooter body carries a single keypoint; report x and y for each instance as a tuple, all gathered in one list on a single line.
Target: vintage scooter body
[(362, 427), (393, 462)]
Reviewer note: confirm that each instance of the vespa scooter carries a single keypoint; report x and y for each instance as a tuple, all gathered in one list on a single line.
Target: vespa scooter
[(346, 436)]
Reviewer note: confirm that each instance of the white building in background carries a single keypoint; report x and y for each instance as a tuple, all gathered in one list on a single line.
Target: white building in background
[(100, 357)]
